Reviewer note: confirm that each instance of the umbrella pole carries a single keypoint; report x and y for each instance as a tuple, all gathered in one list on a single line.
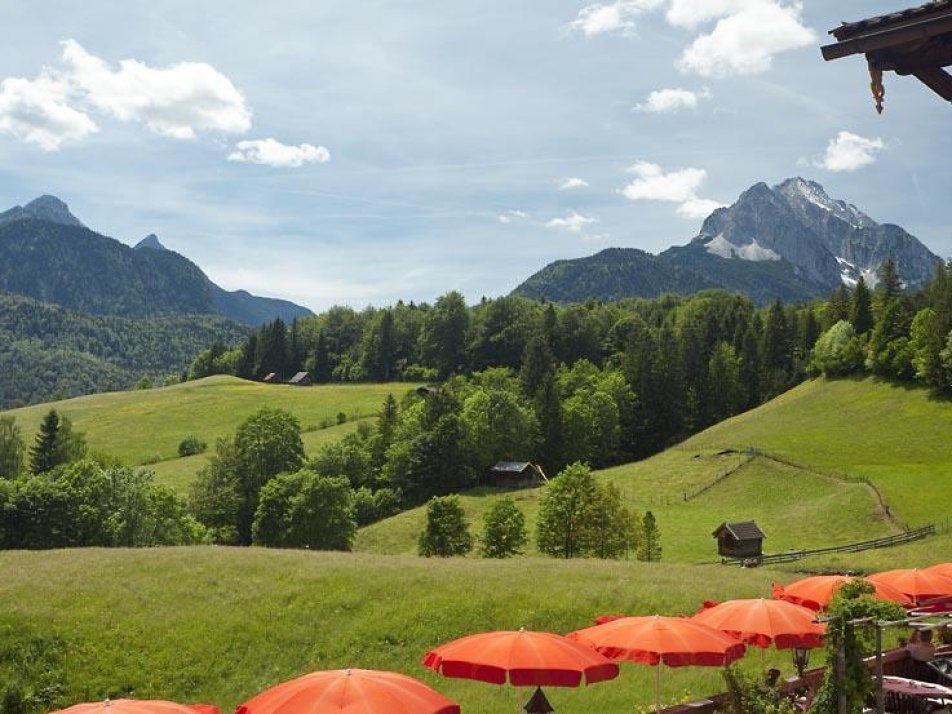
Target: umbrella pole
[(658, 688)]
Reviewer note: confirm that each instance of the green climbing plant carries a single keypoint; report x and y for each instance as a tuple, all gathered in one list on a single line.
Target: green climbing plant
[(852, 602)]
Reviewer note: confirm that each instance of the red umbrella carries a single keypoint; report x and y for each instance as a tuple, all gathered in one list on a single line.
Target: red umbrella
[(816, 592), (765, 622), (522, 658), (941, 568), (351, 691), (138, 706), (920, 585), (653, 640)]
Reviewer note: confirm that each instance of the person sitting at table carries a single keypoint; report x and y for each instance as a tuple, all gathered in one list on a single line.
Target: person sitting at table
[(921, 648)]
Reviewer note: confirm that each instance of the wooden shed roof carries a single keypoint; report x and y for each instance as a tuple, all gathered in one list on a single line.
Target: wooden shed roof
[(511, 466), (916, 41), (299, 377), (742, 530)]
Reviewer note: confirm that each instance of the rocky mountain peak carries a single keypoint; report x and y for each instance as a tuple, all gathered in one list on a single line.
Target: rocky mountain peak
[(44, 208), (151, 242), (809, 197), (50, 208)]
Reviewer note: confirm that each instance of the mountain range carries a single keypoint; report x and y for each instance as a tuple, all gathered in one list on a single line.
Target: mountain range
[(791, 241), (47, 254)]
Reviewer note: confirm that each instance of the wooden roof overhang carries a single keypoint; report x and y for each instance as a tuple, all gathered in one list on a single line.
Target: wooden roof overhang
[(916, 42)]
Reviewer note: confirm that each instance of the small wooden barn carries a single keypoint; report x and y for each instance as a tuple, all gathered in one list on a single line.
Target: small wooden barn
[(302, 379), (426, 391), (514, 474), (271, 378), (744, 539)]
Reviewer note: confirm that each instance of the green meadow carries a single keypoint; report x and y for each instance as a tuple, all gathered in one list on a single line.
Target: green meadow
[(146, 426), (217, 625)]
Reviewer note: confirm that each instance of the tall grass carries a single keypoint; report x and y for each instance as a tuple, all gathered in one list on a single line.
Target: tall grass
[(218, 625)]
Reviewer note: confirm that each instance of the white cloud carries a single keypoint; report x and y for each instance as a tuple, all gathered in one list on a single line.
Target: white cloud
[(271, 152), (849, 152), (596, 237), (178, 101), (653, 184), (698, 207), (666, 101), (512, 217), (746, 41), (572, 223), (572, 182), (615, 17), (38, 112)]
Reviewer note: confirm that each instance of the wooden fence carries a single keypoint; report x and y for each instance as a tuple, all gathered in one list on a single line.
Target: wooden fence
[(791, 555)]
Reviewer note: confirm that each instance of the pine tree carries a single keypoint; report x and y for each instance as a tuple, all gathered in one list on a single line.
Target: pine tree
[(838, 307), (43, 451), (537, 365), (649, 549), (321, 367), (861, 313), (888, 288)]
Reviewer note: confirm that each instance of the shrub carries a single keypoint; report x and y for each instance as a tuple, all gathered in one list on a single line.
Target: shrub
[(446, 532), (504, 530), (341, 418), (191, 445)]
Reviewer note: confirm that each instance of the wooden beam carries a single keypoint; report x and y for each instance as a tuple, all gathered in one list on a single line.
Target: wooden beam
[(903, 61), (868, 42), (936, 79)]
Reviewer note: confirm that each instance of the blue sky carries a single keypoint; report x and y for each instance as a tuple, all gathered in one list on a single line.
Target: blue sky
[(360, 152)]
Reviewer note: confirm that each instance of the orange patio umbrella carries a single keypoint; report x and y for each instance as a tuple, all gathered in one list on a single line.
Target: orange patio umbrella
[(350, 691), (763, 623), (523, 658), (817, 592), (138, 706), (653, 640), (920, 585)]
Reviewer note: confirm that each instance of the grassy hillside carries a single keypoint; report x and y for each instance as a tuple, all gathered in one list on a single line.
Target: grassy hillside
[(218, 625), (147, 426), (897, 436), (803, 484)]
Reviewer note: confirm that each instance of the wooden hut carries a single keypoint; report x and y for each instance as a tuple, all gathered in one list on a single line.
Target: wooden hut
[(302, 379), (426, 391), (744, 539), (514, 474), (916, 42), (271, 378)]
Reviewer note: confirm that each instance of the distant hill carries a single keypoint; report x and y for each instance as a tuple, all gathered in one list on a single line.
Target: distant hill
[(790, 241), (48, 352), (47, 254)]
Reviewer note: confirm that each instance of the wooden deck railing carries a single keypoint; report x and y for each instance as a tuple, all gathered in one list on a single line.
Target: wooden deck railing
[(895, 662)]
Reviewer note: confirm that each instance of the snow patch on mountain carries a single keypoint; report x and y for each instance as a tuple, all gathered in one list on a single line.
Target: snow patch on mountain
[(849, 274), (753, 251)]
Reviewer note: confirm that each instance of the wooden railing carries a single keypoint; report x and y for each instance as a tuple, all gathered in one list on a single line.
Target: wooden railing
[(895, 662), (791, 555)]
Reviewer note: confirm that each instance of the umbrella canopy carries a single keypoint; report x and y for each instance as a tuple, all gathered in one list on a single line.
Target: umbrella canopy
[(941, 568), (816, 592), (351, 691), (765, 622), (138, 706), (675, 641), (920, 585), (523, 658)]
